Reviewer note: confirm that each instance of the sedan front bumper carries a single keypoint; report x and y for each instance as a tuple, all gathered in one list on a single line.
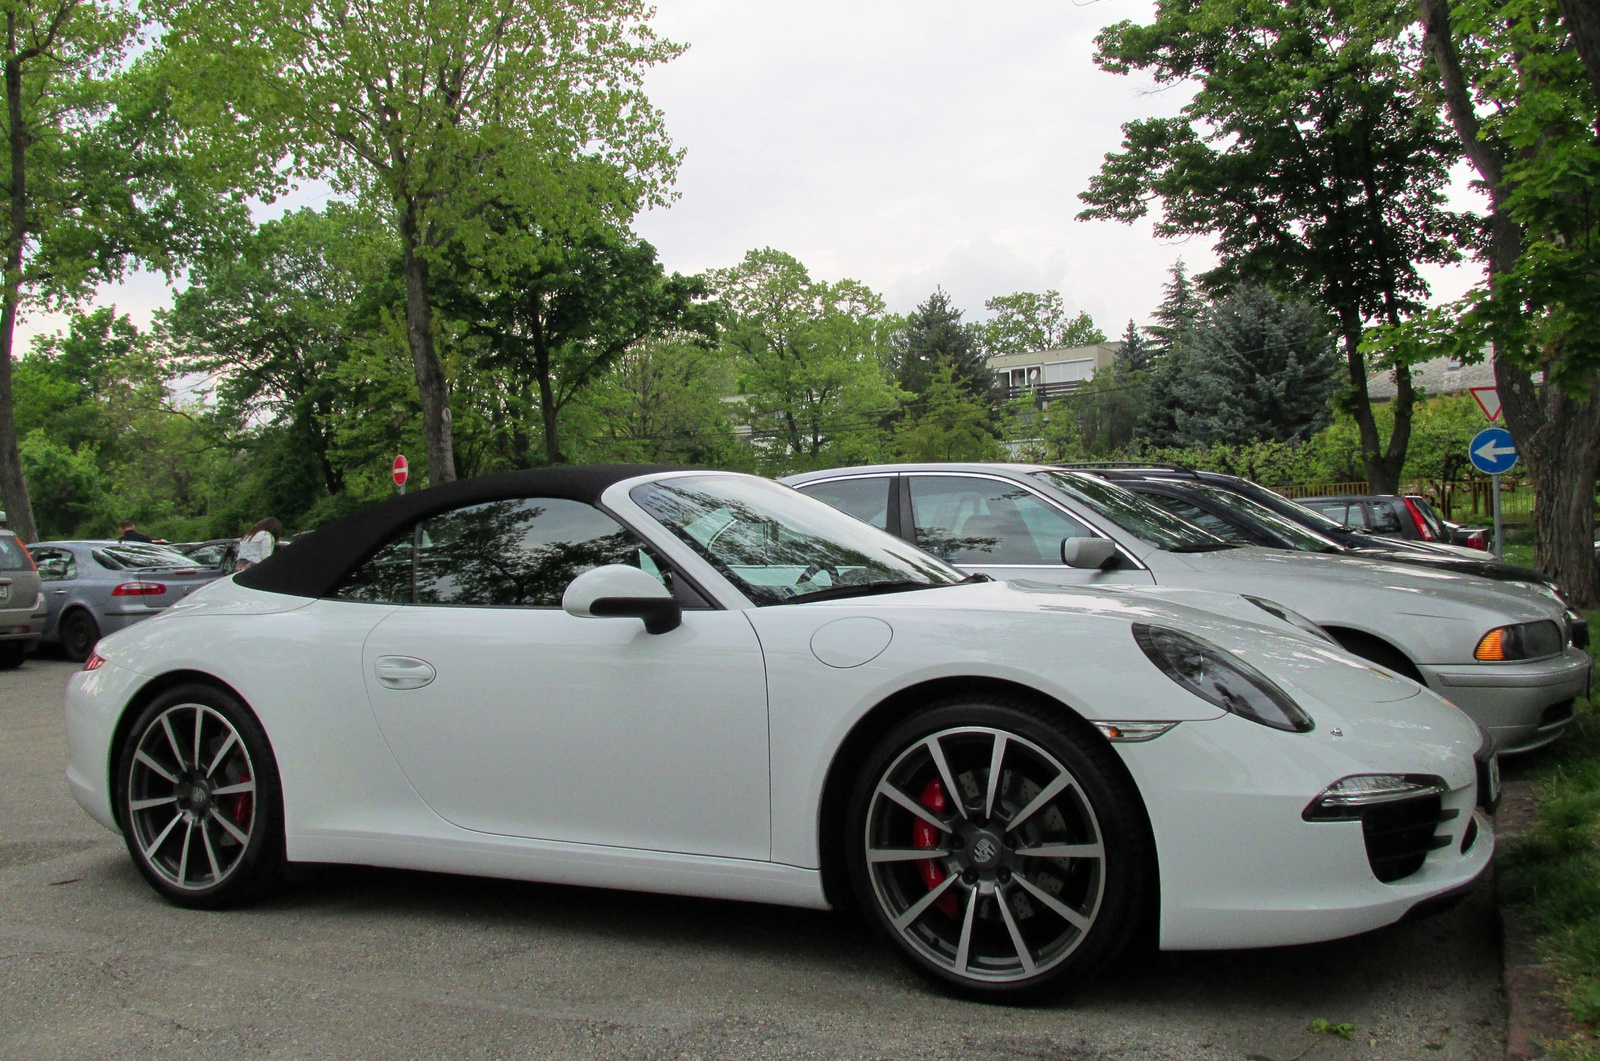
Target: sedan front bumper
[(1525, 705)]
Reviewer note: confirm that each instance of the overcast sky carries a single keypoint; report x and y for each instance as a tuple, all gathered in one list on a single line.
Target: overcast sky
[(904, 144)]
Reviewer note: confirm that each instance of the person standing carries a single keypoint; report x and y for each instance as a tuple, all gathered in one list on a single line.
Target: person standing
[(259, 542), (131, 534)]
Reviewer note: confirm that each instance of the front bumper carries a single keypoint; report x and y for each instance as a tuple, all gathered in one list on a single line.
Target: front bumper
[(1239, 865), (1524, 705)]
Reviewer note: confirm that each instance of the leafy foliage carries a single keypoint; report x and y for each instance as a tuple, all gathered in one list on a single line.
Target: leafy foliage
[(1026, 322), (932, 339)]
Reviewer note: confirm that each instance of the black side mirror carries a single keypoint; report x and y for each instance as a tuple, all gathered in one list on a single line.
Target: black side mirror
[(660, 614)]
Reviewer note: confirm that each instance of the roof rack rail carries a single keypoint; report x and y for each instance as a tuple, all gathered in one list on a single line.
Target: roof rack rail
[(1111, 465)]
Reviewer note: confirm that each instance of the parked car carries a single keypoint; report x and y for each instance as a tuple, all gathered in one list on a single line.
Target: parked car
[(21, 606), (1407, 516), (1228, 507), (1499, 650), (92, 588), (220, 553), (708, 684)]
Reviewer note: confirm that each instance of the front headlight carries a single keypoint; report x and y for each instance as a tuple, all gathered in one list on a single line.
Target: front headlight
[(1218, 678), (1520, 641), (1290, 616), (1345, 799)]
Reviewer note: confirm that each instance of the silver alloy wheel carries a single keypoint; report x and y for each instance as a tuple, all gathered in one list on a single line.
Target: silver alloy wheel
[(191, 797), (1000, 883)]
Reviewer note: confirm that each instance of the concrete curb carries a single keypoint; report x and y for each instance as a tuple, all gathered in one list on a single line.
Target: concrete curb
[(1533, 1009)]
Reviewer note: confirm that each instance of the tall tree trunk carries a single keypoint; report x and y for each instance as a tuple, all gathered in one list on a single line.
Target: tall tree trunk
[(1383, 465), (13, 485), (547, 402), (432, 387), (1558, 435)]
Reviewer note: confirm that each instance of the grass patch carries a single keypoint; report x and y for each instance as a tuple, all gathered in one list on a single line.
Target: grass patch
[(1553, 870)]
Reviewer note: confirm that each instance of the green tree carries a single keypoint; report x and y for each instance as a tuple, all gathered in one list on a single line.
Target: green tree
[(1301, 154), (1255, 367), (1026, 322), (441, 114), (663, 402), (559, 319), (1180, 305), (272, 320), (946, 424), (813, 362), (1519, 82), (95, 175), (933, 338), (1135, 354)]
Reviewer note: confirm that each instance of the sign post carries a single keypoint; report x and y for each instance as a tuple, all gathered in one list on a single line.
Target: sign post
[(402, 472), (1493, 453)]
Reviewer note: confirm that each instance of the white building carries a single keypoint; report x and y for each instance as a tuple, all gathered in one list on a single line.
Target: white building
[(1047, 373)]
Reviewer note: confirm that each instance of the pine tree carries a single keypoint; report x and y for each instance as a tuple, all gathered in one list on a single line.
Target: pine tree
[(1177, 312), (934, 337), (1135, 355)]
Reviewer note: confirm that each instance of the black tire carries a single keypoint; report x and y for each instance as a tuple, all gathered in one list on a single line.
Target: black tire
[(79, 634), (195, 847), (1005, 898), (12, 654)]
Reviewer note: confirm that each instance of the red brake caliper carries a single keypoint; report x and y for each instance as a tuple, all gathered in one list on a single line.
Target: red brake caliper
[(242, 808), (926, 836)]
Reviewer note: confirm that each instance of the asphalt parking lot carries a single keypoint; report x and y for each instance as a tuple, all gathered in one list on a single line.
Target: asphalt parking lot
[(365, 963)]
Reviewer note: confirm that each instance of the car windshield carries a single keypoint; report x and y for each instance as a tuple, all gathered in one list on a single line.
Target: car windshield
[(1294, 510), (1297, 536), (780, 546), (1136, 515)]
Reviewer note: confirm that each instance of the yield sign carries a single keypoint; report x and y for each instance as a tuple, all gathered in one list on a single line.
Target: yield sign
[(1488, 399), (1492, 452)]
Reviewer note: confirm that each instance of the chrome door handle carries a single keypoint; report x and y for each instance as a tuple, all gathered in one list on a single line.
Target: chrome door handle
[(60, 592), (404, 672)]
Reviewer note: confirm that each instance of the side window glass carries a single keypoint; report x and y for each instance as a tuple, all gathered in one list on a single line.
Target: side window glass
[(970, 520), (55, 565), (1198, 516), (1383, 518), (518, 553), (865, 499)]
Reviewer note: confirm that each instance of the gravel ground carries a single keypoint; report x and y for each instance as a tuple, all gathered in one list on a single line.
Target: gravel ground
[(365, 963)]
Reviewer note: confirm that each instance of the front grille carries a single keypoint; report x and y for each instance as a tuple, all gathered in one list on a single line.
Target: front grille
[(1559, 712), (1400, 834)]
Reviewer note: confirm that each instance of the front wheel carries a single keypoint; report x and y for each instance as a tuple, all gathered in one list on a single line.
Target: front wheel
[(1003, 853), (199, 799)]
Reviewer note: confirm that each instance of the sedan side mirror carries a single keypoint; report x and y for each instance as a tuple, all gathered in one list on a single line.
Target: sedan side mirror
[(617, 591), (1089, 552)]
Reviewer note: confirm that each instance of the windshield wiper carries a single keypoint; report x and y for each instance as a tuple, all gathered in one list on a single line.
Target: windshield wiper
[(865, 589), (1203, 547)]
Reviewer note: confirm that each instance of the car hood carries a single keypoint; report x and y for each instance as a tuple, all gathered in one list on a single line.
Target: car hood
[(1409, 588), (1284, 653)]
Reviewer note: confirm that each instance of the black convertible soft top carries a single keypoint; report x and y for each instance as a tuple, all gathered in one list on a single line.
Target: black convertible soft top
[(312, 566)]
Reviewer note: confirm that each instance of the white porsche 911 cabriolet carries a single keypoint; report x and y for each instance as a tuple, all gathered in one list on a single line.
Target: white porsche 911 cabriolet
[(709, 684)]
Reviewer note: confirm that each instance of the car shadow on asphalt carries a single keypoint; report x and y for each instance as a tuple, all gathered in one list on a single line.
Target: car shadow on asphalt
[(1417, 954)]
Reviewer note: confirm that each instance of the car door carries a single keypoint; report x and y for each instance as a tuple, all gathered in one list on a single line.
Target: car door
[(1001, 528), (510, 716), (58, 570)]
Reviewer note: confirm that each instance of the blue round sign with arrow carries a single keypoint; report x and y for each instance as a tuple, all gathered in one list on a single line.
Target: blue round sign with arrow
[(1492, 451)]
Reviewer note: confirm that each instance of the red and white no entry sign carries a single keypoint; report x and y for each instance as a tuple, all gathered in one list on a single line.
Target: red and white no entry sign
[(402, 470)]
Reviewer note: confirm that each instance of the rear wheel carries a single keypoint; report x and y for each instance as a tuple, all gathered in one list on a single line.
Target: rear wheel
[(199, 800), (79, 634), (1002, 852), (12, 653)]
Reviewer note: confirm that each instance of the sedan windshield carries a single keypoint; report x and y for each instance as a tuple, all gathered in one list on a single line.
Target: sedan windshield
[(780, 546), (1297, 536), (1134, 514)]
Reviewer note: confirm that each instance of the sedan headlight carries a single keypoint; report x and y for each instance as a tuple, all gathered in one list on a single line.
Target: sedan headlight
[(1520, 641), (1290, 616), (1218, 678)]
